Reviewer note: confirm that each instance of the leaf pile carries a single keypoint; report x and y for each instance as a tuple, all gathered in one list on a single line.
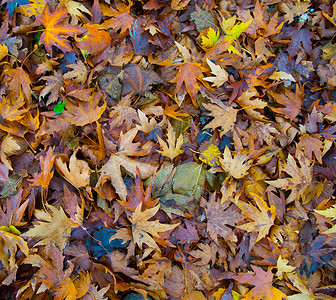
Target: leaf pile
[(174, 149)]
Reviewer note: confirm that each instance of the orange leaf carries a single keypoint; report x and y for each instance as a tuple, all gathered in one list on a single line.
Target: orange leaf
[(56, 34), (189, 73)]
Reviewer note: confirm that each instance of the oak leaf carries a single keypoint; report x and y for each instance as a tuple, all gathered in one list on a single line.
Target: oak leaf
[(144, 231), (263, 216), (173, 146), (54, 227), (55, 33)]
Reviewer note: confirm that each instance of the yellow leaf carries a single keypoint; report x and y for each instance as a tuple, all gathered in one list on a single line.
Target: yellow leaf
[(329, 213), (221, 76), (263, 216), (3, 51), (237, 166), (211, 156), (34, 8), (223, 117), (54, 227), (282, 266), (173, 148), (78, 173), (210, 38), (144, 231)]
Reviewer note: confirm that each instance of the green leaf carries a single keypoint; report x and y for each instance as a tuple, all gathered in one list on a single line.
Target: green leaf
[(59, 107), (189, 179)]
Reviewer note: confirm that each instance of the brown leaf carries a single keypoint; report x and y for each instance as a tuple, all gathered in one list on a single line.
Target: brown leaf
[(220, 217), (138, 80)]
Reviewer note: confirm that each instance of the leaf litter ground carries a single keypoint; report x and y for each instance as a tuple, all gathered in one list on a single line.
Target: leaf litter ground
[(167, 149)]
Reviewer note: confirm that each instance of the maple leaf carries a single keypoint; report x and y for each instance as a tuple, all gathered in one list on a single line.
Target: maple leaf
[(220, 217), (282, 267), (237, 166), (12, 110), (78, 74), (10, 243), (233, 31), (301, 40), (95, 41), (301, 177), (140, 196), (329, 213), (56, 34), (144, 231), (53, 86), (188, 74), (46, 163), (262, 282), (224, 118), (51, 272), (211, 155), (20, 82), (54, 227), (173, 146), (263, 216), (75, 9), (170, 111), (111, 170), (291, 102), (123, 113), (121, 17), (138, 80), (221, 76), (78, 173), (250, 105), (210, 38), (311, 144), (81, 113)]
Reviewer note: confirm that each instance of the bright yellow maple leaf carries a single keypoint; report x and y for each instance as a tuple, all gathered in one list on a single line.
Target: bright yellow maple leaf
[(283, 267), (210, 38), (211, 156), (173, 146), (233, 31)]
